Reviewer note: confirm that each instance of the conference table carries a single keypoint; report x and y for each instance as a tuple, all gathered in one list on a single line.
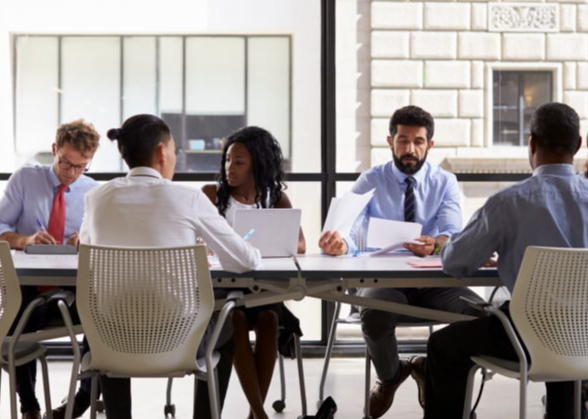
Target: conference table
[(282, 279)]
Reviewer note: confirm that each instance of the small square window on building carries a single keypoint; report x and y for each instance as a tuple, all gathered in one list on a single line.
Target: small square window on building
[(516, 95)]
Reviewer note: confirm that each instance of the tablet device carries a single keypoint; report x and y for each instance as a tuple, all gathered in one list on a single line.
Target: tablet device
[(273, 231), (50, 249)]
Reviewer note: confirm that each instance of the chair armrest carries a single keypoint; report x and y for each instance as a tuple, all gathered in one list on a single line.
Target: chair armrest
[(512, 336), (230, 304), (24, 319), (234, 296), (59, 294)]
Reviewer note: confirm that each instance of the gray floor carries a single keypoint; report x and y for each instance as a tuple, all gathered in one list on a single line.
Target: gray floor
[(500, 398)]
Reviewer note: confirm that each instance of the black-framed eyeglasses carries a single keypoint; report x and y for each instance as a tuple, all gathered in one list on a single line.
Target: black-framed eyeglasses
[(78, 168)]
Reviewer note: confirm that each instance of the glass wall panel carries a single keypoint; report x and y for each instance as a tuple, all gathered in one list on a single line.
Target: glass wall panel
[(353, 125), (215, 76), (139, 76), (91, 89), (171, 64), (268, 87), (37, 90), (214, 98)]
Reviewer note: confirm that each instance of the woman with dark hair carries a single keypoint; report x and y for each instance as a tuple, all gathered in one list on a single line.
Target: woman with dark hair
[(251, 177), (146, 209)]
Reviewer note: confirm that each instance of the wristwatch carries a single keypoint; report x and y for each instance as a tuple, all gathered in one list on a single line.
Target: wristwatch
[(437, 248)]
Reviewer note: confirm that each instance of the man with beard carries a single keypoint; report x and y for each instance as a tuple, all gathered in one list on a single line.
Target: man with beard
[(407, 189)]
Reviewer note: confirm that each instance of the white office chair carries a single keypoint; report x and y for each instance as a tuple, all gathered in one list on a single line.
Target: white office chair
[(144, 312), (549, 310), (14, 351)]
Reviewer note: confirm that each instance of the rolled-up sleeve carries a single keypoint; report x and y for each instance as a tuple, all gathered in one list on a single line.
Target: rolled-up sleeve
[(467, 251), (449, 216), (11, 203)]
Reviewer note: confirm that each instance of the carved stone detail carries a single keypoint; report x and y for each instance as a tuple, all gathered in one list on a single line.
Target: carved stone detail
[(523, 17)]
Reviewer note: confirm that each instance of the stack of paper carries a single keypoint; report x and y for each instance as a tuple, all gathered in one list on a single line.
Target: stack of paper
[(388, 235)]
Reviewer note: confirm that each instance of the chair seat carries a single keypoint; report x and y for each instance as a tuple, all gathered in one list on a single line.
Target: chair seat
[(502, 366), (23, 350), (50, 332), (199, 367)]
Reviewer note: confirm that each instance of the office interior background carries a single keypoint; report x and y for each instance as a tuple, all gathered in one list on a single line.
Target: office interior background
[(208, 67)]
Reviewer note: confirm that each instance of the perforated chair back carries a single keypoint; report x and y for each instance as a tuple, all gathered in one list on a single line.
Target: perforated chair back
[(549, 308), (144, 310), (10, 295)]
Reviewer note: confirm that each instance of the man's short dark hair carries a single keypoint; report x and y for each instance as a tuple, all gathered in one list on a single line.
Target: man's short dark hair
[(555, 127), (412, 116)]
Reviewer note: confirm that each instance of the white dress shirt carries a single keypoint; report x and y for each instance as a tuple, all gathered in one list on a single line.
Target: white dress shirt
[(145, 210)]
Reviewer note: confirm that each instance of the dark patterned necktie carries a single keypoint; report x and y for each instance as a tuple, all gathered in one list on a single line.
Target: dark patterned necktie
[(409, 204)]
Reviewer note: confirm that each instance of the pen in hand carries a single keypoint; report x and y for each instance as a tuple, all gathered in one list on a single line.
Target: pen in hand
[(42, 236), (40, 225)]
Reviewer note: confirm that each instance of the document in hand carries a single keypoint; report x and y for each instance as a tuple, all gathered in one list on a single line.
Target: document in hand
[(388, 235), (344, 211)]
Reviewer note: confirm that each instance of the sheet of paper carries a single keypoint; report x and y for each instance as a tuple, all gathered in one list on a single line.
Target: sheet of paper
[(426, 264), (388, 235), (213, 262), (344, 211)]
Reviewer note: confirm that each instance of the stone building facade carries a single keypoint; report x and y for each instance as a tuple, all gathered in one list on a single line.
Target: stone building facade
[(442, 55)]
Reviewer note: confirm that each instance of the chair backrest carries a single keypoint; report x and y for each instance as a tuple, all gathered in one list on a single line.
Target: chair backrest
[(10, 295), (549, 308), (144, 310)]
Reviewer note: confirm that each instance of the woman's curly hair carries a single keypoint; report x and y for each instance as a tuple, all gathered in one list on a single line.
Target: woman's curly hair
[(266, 163)]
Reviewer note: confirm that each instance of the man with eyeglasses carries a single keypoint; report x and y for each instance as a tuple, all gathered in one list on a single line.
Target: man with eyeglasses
[(45, 205)]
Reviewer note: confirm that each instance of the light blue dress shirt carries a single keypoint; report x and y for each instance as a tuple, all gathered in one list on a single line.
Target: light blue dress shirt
[(437, 200), (548, 209), (29, 195)]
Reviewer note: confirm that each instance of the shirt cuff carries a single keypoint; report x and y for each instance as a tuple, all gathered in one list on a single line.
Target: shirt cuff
[(5, 228)]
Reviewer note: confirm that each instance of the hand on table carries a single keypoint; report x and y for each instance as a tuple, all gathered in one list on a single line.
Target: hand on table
[(332, 243), (40, 237), (74, 240), (424, 249)]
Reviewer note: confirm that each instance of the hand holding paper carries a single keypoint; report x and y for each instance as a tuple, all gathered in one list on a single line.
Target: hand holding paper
[(344, 211), (388, 235)]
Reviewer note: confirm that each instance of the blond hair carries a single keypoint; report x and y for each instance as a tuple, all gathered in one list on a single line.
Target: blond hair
[(81, 135)]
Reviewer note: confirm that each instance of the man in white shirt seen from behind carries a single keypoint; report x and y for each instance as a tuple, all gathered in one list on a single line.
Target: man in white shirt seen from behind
[(146, 209)]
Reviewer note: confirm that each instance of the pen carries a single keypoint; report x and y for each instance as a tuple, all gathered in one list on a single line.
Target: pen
[(248, 235), (40, 224)]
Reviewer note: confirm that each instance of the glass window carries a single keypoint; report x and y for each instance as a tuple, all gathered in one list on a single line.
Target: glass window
[(516, 95), (139, 93), (90, 69), (268, 88), (204, 87), (37, 93), (353, 86)]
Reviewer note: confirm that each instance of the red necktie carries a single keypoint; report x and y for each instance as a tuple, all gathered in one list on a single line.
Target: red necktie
[(56, 225)]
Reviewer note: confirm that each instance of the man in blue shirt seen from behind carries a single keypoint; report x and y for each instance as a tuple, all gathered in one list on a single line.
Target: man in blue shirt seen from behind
[(548, 209), (45, 205), (406, 189)]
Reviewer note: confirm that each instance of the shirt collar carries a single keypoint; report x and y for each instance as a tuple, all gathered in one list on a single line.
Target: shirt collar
[(144, 171), (54, 181), (561, 169), (418, 176)]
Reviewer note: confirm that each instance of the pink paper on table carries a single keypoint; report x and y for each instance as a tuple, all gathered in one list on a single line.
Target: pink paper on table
[(426, 264)]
